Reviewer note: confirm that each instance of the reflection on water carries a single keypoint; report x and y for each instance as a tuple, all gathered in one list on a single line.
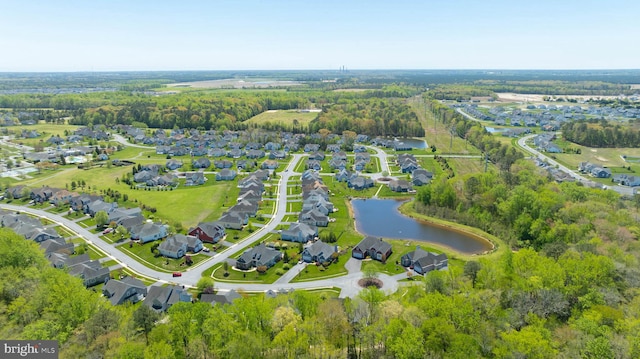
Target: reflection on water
[(381, 218)]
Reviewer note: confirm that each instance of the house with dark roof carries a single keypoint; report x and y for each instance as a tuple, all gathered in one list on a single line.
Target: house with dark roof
[(148, 231), (260, 255), (161, 298), (318, 252), (128, 289), (57, 245), (220, 298), (299, 232), (422, 261), (372, 247), (91, 272), (209, 232)]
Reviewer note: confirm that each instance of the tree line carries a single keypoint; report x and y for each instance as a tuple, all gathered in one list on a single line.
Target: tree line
[(600, 133)]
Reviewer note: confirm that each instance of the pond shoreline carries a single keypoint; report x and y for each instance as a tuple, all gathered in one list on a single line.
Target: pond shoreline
[(406, 210)]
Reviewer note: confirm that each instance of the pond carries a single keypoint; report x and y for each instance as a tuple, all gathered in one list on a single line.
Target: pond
[(381, 218)]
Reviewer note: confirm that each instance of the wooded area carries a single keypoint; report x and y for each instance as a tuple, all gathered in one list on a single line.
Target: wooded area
[(601, 134)]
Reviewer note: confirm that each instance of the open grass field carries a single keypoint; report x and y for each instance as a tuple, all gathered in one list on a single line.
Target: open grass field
[(286, 117), (437, 134)]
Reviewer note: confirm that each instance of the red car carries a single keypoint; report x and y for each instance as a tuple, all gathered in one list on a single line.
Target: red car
[(177, 274)]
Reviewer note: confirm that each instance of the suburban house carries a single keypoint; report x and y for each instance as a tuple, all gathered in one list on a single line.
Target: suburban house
[(173, 164), (343, 175), (57, 245), (314, 165), (128, 289), (372, 247), (161, 298), (299, 232), (177, 245), (148, 231), (318, 252), (269, 164), (226, 175), (202, 162), (194, 178), (220, 298), (313, 217), (233, 220), (260, 255), (220, 164), (360, 183), (209, 232), (423, 262), (400, 186)]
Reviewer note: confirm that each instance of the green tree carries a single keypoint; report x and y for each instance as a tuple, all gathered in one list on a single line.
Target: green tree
[(144, 319), (101, 218)]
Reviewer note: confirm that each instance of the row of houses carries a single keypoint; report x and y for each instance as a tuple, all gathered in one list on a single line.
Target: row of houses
[(57, 251), (419, 176), (594, 170), (543, 142)]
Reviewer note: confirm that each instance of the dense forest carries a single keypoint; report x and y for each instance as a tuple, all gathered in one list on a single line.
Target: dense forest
[(600, 134), (374, 117)]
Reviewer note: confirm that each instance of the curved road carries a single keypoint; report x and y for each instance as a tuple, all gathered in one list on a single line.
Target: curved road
[(346, 283)]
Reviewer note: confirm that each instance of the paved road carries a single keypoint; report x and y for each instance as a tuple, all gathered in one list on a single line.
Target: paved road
[(522, 142), (118, 138), (346, 283)]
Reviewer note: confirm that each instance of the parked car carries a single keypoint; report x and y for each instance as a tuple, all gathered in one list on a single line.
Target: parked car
[(177, 274), (206, 249), (107, 231)]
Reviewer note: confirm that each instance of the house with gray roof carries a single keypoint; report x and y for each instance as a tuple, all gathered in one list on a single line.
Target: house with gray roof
[(260, 255), (233, 220), (194, 178), (318, 252), (220, 298), (173, 164), (201, 162), (372, 247), (299, 232), (313, 217), (128, 289), (422, 262), (177, 245), (400, 185), (161, 298), (226, 175), (148, 231)]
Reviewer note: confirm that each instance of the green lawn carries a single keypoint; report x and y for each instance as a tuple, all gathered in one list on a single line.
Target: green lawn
[(315, 272), (142, 253)]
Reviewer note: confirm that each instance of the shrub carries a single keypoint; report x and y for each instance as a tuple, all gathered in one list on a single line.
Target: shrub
[(261, 269), (279, 271), (286, 266)]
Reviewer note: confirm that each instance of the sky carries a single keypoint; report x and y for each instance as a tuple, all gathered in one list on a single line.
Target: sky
[(141, 35)]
